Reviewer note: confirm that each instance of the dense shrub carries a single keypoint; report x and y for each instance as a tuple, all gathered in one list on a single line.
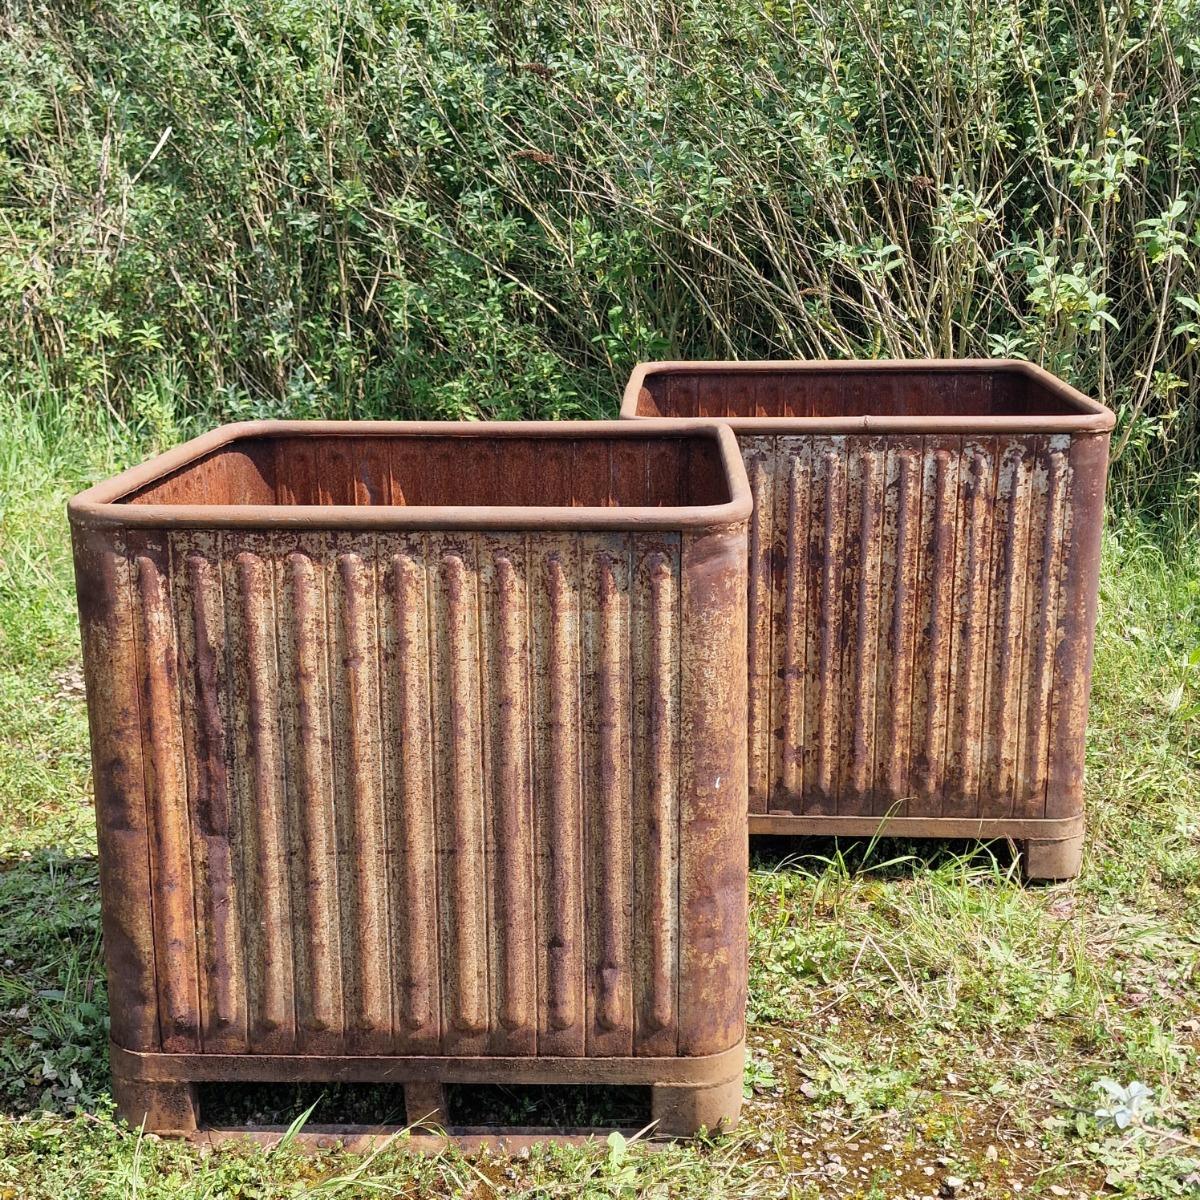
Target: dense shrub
[(426, 207)]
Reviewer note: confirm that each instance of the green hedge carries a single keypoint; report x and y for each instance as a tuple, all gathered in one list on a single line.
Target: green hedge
[(402, 208)]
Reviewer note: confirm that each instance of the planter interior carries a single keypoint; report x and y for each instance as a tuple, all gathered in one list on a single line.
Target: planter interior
[(419, 756), (924, 561), (835, 391), (433, 469)]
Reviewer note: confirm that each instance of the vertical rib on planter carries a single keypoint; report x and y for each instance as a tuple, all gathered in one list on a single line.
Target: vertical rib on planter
[(458, 749), (655, 815), (505, 632), (422, 758), (607, 729), (409, 796), (303, 648), (925, 541), (204, 676), (166, 792), (260, 794), (558, 782)]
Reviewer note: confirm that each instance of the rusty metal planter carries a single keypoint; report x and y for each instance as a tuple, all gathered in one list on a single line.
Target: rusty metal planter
[(922, 592), (419, 756)]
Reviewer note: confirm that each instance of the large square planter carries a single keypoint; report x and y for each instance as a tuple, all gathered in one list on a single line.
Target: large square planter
[(924, 557), (419, 756)]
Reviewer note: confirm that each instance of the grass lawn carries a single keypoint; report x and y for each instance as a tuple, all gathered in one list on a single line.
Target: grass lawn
[(921, 1024)]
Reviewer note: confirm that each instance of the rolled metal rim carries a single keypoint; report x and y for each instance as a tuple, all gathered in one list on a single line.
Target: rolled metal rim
[(103, 504), (1088, 415)]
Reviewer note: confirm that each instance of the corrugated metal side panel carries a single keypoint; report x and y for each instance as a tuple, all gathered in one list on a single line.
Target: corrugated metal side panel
[(759, 455), (713, 843), (930, 613), (106, 608), (427, 792), (1079, 585)]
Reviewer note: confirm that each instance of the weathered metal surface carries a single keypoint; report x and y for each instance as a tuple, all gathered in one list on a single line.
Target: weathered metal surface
[(713, 848), (106, 616), (923, 569), (464, 791)]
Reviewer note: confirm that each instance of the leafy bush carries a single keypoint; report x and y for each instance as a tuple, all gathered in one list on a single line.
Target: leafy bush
[(425, 207)]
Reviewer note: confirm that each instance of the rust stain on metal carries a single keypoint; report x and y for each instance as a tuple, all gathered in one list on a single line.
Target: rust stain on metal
[(934, 536), (395, 792)]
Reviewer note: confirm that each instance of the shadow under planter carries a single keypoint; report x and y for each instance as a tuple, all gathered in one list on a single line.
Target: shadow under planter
[(419, 756), (924, 561)]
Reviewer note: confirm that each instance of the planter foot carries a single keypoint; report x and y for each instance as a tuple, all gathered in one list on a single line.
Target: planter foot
[(425, 1105), (1050, 860), (683, 1109), (163, 1107)]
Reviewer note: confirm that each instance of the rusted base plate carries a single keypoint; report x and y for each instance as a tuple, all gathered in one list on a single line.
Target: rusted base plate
[(158, 1091), (1052, 848)]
